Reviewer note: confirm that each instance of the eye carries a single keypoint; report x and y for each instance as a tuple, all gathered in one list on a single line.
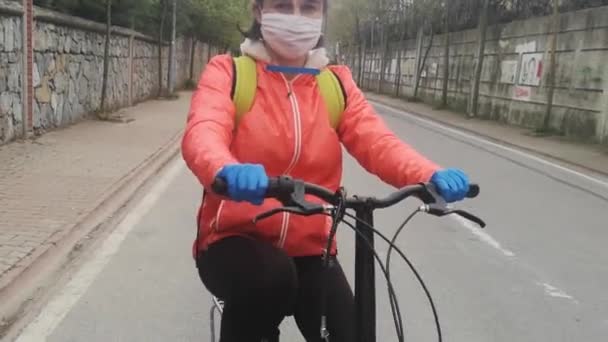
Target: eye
[(311, 7)]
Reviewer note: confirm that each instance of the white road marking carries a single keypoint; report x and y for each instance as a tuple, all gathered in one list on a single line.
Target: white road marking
[(54, 313), (553, 291), (472, 137), (483, 236), (549, 289)]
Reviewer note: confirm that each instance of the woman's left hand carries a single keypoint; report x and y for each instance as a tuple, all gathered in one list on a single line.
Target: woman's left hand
[(452, 184)]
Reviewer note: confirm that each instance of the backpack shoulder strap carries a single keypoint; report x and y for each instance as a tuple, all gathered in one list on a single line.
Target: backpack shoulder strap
[(333, 94), (244, 85)]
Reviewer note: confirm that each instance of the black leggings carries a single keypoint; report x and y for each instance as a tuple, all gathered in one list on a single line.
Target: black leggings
[(261, 285)]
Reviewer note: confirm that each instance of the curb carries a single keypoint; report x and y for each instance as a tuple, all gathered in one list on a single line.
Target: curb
[(489, 137), (36, 273)]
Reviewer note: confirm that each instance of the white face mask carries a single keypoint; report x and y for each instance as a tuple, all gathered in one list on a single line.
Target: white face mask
[(290, 36)]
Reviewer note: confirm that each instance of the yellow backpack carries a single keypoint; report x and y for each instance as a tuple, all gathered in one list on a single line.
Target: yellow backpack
[(245, 84)]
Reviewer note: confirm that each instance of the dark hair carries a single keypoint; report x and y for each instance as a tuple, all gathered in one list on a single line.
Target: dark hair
[(255, 30)]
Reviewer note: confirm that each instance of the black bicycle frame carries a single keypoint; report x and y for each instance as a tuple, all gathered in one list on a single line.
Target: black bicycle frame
[(365, 276)]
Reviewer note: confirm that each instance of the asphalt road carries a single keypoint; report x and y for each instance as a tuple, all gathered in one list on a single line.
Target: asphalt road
[(538, 273)]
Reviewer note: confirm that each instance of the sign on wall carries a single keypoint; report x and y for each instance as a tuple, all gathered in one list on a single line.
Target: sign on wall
[(531, 69), (508, 72)]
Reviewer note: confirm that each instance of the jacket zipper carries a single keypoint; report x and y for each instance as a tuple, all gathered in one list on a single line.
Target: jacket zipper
[(295, 109)]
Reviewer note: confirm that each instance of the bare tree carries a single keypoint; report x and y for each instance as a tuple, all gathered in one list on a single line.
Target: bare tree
[(402, 33), (552, 68), (483, 28), (361, 47), (446, 55), (423, 63), (161, 29), (106, 58), (171, 64), (193, 45)]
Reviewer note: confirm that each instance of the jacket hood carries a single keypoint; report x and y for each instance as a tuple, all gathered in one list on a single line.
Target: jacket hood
[(317, 58)]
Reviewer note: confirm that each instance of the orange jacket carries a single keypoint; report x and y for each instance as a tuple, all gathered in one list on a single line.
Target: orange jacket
[(287, 131)]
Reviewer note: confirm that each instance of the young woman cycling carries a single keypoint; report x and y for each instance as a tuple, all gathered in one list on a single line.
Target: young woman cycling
[(272, 269)]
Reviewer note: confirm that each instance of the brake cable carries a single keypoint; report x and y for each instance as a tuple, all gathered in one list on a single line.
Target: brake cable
[(338, 215), (391, 290), (412, 268), (388, 257)]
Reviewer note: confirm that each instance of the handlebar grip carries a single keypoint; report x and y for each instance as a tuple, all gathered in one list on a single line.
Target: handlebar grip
[(219, 186), (473, 191)]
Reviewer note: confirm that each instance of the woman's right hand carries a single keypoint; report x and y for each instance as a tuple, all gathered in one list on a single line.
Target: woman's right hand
[(246, 182)]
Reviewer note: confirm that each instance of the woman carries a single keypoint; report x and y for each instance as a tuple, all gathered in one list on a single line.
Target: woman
[(272, 269)]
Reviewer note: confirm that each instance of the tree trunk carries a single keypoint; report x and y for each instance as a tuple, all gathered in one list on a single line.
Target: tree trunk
[(446, 58), (106, 58), (423, 64), (160, 47), (172, 64), (360, 48), (384, 65), (552, 69), (399, 56), (192, 56), (483, 28), (363, 63), (398, 71), (373, 56), (418, 61)]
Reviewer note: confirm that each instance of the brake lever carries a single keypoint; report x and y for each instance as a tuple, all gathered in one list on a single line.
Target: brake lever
[(443, 210), (468, 216)]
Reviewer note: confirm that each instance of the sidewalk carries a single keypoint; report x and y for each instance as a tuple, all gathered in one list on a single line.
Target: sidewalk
[(586, 156), (49, 185)]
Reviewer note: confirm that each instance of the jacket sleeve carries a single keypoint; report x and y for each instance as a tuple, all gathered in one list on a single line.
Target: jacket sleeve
[(209, 129), (368, 139)]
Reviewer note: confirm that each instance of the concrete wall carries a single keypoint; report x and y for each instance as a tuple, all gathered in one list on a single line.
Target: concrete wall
[(515, 72), (68, 69)]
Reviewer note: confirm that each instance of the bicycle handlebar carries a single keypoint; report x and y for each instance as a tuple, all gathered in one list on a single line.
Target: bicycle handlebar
[(284, 188)]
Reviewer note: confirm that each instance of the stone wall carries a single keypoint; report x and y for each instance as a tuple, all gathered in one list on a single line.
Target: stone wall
[(514, 77), (68, 69), (11, 71)]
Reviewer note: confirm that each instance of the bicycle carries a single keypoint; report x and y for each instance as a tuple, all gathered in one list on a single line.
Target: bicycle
[(290, 192)]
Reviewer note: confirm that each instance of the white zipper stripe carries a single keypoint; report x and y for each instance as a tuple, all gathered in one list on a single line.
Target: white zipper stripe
[(298, 120), (297, 151), (297, 127), (287, 218), (284, 225), (218, 215)]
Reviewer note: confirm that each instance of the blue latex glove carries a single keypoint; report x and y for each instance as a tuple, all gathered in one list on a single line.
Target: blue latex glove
[(246, 182), (452, 184)]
